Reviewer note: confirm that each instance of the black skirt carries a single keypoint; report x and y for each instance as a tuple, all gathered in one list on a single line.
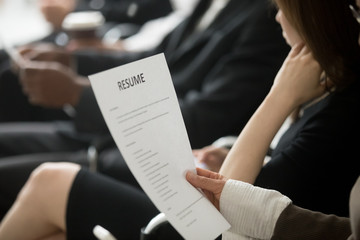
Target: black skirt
[(95, 199)]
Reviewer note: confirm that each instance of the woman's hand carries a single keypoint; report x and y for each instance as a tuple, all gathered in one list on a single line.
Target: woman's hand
[(211, 183), (211, 156), (298, 80)]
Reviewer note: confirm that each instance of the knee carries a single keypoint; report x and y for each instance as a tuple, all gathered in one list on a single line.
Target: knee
[(50, 174), (45, 178)]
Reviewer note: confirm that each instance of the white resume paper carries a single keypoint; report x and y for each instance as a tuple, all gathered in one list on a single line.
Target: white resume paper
[(140, 107)]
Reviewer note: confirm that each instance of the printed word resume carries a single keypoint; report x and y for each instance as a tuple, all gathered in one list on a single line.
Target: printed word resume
[(140, 107)]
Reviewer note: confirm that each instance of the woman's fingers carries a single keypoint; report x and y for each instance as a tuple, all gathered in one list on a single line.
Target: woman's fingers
[(206, 180), (211, 183)]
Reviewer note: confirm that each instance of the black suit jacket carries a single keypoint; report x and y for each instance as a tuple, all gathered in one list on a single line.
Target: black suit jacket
[(220, 75)]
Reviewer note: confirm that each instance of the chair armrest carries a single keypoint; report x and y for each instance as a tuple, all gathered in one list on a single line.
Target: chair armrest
[(148, 231), (227, 141)]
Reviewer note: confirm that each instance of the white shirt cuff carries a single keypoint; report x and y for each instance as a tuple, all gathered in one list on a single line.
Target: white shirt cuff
[(251, 211)]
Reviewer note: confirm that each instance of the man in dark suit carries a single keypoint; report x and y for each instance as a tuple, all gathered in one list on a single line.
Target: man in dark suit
[(221, 70)]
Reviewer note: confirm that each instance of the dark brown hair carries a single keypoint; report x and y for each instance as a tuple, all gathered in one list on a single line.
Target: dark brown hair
[(331, 32)]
